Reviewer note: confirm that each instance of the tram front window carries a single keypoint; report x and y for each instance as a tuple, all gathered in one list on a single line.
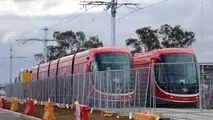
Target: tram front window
[(112, 61), (177, 73), (111, 81)]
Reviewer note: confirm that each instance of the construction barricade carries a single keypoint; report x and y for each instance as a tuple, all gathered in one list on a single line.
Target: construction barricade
[(29, 107), (49, 111), (14, 104), (81, 112), (3, 102), (149, 116)]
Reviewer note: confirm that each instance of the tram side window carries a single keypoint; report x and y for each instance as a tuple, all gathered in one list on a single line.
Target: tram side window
[(94, 66), (94, 69), (159, 74)]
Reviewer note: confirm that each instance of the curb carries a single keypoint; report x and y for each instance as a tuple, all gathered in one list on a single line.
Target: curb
[(20, 115)]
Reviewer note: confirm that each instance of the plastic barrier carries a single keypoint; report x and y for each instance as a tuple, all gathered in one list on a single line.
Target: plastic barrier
[(61, 105), (108, 114), (49, 111), (14, 104), (102, 113), (29, 107), (147, 116), (2, 102), (118, 115), (78, 112), (81, 112), (84, 111)]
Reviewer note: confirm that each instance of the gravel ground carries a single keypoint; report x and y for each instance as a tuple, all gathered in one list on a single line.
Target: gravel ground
[(61, 114)]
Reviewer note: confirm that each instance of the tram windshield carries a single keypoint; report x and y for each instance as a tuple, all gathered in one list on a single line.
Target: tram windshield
[(116, 80), (112, 61), (176, 70)]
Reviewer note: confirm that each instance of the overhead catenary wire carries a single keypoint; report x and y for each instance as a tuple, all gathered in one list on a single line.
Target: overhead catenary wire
[(113, 5), (20, 58), (67, 19), (26, 32), (91, 21), (135, 10), (87, 9), (45, 29), (61, 22), (18, 36)]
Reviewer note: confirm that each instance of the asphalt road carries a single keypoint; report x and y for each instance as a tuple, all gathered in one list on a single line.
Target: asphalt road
[(8, 116)]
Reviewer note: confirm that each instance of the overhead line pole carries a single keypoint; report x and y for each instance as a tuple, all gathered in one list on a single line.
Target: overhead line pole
[(113, 15), (45, 40), (45, 44), (114, 5), (11, 67)]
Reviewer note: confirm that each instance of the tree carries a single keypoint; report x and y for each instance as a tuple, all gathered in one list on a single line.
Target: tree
[(69, 42), (55, 52), (66, 40), (149, 39), (39, 57), (93, 42), (175, 36), (135, 44)]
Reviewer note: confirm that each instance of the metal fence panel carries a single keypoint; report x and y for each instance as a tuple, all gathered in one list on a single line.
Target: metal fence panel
[(120, 90), (176, 83), (206, 74), (153, 86), (183, 85)]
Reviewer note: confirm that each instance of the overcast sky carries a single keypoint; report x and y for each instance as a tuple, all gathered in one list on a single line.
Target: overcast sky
[(27, 18)]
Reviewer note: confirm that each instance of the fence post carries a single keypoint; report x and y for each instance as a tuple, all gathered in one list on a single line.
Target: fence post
[(136, 86), (11, 90), (153, 86), (99, 77), (147, 86), (107, 79), (200, 87)]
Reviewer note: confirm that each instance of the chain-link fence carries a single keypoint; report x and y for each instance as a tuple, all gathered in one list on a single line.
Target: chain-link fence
[(176, 85)]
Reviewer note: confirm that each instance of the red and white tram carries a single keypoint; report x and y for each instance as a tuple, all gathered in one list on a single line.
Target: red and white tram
[(175, 74)]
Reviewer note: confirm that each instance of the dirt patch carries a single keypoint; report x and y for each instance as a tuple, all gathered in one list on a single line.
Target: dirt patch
[(64, 114)]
